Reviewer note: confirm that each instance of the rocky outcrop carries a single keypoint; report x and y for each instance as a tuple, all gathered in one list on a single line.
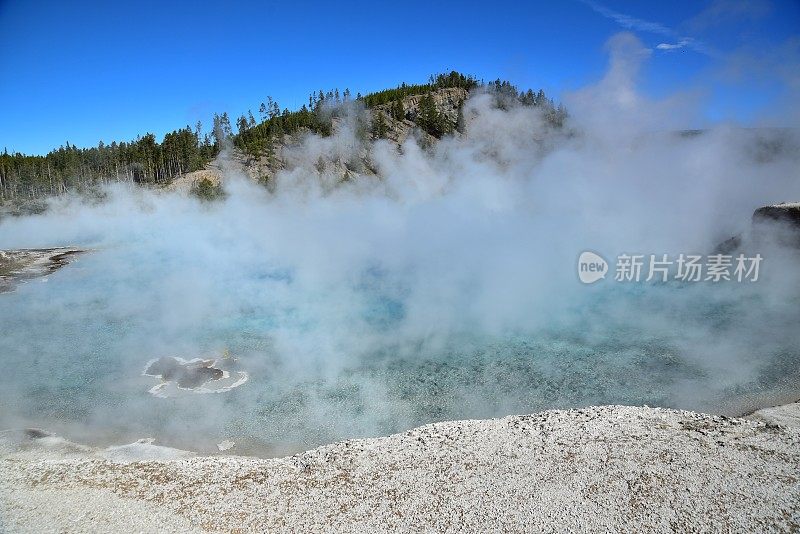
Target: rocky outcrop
[(192, 179), (17, 266), (288, 153), (779, 223), (198, 375), (788, 213), (187, 375), (447, 102), (775, 224)]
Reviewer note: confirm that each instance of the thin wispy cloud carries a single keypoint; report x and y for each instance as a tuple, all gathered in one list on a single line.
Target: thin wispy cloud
[(668, 46), (629, 22), (640, 25), (684, 43)]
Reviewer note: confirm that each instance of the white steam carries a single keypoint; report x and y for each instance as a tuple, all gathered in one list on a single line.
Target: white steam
[(445, 288)]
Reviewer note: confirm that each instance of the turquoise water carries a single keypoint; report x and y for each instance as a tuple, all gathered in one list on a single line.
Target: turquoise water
[(74, 348)]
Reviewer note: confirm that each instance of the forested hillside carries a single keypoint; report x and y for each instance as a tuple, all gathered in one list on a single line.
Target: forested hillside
[(143, 160), (147, 161)]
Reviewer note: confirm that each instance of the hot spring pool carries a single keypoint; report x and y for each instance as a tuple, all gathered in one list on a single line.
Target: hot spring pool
[(325, 363)]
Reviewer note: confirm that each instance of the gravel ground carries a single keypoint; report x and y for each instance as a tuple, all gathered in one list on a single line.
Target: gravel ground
[(608, 468), (785, 415)]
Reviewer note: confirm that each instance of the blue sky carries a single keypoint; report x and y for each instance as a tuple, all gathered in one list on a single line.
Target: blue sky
[(89, 71)]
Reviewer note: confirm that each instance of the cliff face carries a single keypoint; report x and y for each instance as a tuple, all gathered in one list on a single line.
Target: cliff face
[(446, 101), (342, 155)]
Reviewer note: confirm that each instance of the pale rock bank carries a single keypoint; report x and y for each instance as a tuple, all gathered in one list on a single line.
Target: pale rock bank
[(610, 468)]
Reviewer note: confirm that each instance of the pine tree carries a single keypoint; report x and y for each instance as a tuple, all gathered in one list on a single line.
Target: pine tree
[(379, 128), (242, 124), (430, 119), (398, 113), (226, 124)]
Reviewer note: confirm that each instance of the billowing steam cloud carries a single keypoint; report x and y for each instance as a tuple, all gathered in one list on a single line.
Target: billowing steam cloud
[(444, 289)]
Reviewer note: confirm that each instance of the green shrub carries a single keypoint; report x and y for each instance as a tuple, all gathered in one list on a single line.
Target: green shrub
[(208, 191)]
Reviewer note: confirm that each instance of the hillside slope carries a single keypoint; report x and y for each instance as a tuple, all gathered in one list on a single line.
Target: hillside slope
[(289, 155)]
